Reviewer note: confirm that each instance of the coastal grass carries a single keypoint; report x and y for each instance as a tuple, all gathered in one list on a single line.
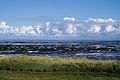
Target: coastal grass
[(42, 64), (16, 75)]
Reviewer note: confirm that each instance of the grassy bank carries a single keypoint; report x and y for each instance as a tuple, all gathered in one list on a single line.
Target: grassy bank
[(37, 64), (10, 75)]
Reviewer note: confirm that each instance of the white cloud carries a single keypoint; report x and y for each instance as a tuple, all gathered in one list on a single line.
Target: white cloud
[(110, 28), (48, 23), (70, 27), (69, 19), (4, 28), (38, 30), (23, 30), (95, 29), (3, 23), (100, 20), (57, 32)]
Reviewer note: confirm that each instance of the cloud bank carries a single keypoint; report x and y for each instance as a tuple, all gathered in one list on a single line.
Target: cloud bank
[(69, 26)]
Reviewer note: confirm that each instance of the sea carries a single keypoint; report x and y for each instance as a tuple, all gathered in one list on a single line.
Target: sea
[(98, 50)]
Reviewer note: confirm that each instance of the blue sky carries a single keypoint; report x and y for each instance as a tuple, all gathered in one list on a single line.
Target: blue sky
[(72, 19), (18, 12)]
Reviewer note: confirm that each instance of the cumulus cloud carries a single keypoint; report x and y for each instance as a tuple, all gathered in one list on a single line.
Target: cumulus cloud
[(23, 30), (57, 32), (69, 26), (69, 19), (3, 23), (100, 20), (110, 28), (48, 23), (95, 29)]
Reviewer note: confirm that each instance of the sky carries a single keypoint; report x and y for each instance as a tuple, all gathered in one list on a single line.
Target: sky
[(61, 18)]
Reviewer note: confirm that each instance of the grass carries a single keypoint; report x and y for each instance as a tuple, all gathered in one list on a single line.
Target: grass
[(37, 64), (10, 75), (39, 68)]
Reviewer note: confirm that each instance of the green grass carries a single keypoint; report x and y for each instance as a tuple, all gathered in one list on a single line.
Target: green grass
[(37, 64), (9, 75), (37, 68)]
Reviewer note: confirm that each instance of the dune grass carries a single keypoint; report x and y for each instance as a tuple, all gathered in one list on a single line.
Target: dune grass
[(37, 68), (38, 64), (10, 75)]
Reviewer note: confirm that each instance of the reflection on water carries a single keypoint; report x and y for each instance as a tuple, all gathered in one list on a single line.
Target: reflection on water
[(75, 49)]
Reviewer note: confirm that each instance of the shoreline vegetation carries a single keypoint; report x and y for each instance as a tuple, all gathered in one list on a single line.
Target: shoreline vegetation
[(42, 68), (42, 64), (10, 75)]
